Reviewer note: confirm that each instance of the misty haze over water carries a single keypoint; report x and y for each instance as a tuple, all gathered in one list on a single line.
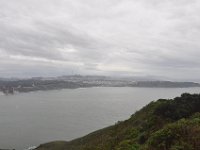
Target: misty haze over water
[(153, 42)]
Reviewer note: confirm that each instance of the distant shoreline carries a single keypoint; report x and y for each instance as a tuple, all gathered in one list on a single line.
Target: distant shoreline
[(74, 82), (33, 91)]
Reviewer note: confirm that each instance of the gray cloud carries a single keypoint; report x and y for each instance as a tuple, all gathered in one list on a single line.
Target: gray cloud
[(125, 37)]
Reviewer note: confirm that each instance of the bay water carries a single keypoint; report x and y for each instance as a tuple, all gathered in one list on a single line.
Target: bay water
[(30, 119)]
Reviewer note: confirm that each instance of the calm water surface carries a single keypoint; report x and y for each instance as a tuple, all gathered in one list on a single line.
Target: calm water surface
[(29, 119)]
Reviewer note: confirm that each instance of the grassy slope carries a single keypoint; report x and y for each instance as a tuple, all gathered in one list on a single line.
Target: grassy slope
[(161, 125)]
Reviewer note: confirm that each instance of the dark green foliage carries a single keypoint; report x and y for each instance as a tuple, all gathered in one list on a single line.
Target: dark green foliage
[(180, 107), (127, 145), (161, 125), (183, 134)]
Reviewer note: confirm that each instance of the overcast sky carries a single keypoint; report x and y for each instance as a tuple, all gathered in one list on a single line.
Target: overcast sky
[(101, 37)]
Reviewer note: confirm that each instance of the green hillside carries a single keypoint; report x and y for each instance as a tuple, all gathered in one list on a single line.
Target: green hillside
[(162, 125)]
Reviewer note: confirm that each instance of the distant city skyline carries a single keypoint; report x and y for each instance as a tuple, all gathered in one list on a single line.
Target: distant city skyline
[(147, 38)]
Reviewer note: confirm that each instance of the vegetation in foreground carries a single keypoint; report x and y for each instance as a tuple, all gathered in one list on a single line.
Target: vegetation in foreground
[(162, 125)]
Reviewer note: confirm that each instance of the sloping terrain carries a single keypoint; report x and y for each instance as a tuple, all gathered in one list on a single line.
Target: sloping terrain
[(162, 125)]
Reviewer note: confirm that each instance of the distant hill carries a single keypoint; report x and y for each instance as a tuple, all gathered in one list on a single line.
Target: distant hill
[(166, 84), (172, 124), (9, 86)]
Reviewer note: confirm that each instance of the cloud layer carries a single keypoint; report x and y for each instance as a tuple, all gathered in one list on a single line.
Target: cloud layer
[(115, 37)]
